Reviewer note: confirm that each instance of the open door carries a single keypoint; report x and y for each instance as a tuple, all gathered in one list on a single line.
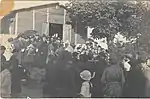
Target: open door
[(56, 29)]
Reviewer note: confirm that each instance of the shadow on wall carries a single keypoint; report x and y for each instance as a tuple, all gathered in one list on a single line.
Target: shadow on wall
[(6, 21)]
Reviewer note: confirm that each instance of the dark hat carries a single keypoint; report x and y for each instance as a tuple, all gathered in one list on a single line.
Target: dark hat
[(102, 54), (78, 47), (113, 58), (2, 47), (83, 58), (10, 39), (75, 53)]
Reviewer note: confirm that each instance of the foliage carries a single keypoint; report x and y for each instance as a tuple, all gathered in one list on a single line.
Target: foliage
[(108, 18)]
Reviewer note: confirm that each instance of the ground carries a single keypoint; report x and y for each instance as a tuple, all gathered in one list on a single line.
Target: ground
[(32, 90)]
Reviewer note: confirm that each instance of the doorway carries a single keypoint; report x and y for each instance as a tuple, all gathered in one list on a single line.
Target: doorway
[(56, 28)]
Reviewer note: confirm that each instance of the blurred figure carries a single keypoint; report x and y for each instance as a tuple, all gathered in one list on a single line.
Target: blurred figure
[(5, 80), (68, 47), (113, 79), (136, 79), (2, 57), (147, 73), (99, 67), (15, 75)]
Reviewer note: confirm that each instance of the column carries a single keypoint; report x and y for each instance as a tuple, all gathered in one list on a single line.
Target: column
[(16, 24), (70, 33), (64, 38), (76, 30), (47, 17), (33, 12)]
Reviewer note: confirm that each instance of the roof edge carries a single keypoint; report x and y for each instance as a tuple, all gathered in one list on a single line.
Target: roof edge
[(51, 4)]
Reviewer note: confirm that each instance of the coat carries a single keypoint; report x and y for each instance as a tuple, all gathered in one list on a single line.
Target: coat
[(15, 75), (136, 81), (2, 60), (113, 80), (99, 68), (5, 83), (146, 71), (86, 89)]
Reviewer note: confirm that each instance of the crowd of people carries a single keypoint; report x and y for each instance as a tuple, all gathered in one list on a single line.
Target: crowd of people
[(69, 70)]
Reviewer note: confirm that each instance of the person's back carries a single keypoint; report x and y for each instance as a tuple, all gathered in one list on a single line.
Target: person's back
[(114, 74), (113, 79), (97, 86)]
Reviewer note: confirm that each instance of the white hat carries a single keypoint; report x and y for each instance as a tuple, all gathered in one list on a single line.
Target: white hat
[(85, 75)]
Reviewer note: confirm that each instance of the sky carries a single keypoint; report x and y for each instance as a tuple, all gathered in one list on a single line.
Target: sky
[(25, 4)]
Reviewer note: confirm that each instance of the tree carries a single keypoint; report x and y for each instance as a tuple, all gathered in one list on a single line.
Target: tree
[(109, 18)]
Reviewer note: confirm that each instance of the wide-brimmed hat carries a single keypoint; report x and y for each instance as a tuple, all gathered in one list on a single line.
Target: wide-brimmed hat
[(86, 75)]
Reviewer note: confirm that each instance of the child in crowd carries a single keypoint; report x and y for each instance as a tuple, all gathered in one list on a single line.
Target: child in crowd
[(86, 87)]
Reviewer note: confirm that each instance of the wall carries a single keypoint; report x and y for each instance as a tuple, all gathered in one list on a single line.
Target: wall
[(40, 18), (56, 15), (25, 21)]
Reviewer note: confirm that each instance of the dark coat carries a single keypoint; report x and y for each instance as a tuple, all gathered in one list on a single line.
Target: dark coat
[(43, 52), (62, 76), (2, 61), (15, 76), (97, 86), (58, 77), (136, 83), (113, 80), (50, 86)]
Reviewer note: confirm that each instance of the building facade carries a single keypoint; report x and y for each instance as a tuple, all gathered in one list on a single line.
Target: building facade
[(46, 19)]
